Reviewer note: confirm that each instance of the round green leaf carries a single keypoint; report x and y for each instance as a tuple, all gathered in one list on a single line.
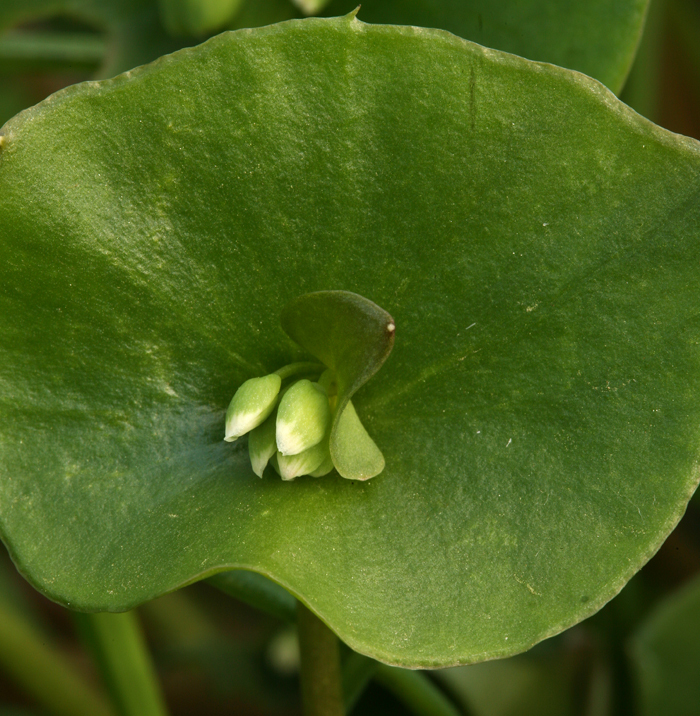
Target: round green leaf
[(536, 241)]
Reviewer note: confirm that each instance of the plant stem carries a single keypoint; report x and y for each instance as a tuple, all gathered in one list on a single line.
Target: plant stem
[(51, 51), (358, 671), (41, 671), (123, 658), (257, 591), (297, 368), (416, 691), (321, 688)]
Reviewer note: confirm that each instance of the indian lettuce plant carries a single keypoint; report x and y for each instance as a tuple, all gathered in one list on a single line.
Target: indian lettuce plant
[(325, 189)]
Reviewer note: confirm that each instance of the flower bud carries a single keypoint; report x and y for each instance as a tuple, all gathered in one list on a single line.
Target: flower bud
[(324, 468), (262, 445), (251, 404), (303, 418), (303, 463)]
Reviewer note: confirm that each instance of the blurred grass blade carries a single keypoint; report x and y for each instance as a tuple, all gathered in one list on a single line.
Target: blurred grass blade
[(665, 654), (123, 658), (416, 691), (55, 51), (42, 672), (358, 671)]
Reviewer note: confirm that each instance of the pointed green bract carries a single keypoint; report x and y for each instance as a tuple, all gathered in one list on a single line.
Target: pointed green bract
[(536, 242)]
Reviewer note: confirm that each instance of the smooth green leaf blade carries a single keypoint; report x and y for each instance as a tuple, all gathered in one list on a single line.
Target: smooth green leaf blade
[(596, 37), (352, 336), (538, 247), (665, 654)]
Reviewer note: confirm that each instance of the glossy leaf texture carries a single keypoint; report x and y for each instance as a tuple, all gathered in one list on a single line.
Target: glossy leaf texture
[(535, 240), (353, 337), (596, 37), (665, 654)]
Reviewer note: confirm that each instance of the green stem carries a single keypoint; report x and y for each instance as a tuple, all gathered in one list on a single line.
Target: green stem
[(358, 671), (257, 591), (296, 368), (643, 86), (121, 653), (416, 691), (41, 671), (51, 51), (685, 20), (321, 688)]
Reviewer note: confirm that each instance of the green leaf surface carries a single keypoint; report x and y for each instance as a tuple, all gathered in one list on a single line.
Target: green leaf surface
[(596, 37), (665, 654), (353, 337), (536, 241)]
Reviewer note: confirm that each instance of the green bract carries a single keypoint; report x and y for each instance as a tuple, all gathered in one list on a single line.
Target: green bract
[(535, 240)]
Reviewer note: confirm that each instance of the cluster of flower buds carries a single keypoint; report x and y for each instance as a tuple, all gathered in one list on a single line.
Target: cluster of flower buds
[(287, 427)]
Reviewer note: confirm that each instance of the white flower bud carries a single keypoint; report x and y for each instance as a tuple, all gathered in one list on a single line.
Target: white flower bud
[(303, 463), (262, 445), (324, 468), (251, 404), (303, 418)]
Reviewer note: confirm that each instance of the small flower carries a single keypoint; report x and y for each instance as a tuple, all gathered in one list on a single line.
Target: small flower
[(305, 462), (262, 444), (303, 418), (251, 405)]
